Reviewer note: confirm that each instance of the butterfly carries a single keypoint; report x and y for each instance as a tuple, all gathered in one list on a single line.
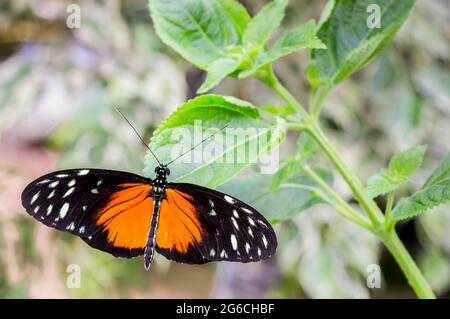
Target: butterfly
[(128, 215)]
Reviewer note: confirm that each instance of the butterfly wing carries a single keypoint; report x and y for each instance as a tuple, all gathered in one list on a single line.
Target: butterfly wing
[(110, 210), (198, 225)]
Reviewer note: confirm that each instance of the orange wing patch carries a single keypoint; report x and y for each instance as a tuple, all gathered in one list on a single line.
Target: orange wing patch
[(126, 218), (178, 225)]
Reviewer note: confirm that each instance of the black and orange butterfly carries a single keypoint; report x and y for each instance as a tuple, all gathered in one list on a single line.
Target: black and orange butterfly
[(128, 215)]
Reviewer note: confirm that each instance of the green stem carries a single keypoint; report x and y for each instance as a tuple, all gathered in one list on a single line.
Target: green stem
[(379, 227), (389, 204), (318, 99), (369, 206), (408, 266), (388, 222), (389, 237), (341, 205), (270, 79)]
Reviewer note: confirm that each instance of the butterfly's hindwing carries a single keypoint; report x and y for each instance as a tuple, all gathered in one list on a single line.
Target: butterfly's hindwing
[(216, 227), (108, 209)]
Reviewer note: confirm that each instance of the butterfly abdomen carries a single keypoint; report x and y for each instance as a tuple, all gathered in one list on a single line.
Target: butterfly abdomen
[(151, 238)]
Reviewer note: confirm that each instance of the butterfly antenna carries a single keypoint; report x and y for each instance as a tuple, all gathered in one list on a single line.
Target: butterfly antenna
[(197, 145), (135, 131)]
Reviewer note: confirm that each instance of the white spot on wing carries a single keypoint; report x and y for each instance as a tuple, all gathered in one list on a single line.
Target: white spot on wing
[(234, 242), (250, 232), (247, 247), (223, 254), (212, 252), (54, 184), (84, 208), (211, 203), (235, 213), (212, 212), (259, 251), (64, 209), (262, 222), (235, 223), (251, 221), (45, 181), (49, 209), (99, 182), (94, 191), (247, 210), (264, 241), (35, 196), (82, 228), (51, 194), (83, 172), (229, 199), (71, 226), (70, 191), (61, 175), (71, 183), (36, 209)]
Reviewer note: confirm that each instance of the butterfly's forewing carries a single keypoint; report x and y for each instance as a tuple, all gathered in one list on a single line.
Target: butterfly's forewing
[(110, 210), (198, 225)]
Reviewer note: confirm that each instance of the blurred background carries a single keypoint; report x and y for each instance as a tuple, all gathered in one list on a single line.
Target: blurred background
[(57, 89)]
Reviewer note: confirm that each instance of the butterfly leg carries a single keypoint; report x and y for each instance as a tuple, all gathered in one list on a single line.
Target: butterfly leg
[(149, 251)]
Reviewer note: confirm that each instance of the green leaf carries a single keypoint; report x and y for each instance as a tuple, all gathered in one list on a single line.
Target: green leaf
[(326, 12), (306, 147), (434, 192), (401, 166), (351, 42), (423, 200), (246, 138), (201, 31), (237, 13), (300, 38), (441, 173), (405, 163), (303, 37), (262, 25), (217, 71), (284, 173), (276, 206)]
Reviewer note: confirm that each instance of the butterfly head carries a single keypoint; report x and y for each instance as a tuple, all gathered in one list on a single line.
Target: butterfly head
[(162, 171)]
